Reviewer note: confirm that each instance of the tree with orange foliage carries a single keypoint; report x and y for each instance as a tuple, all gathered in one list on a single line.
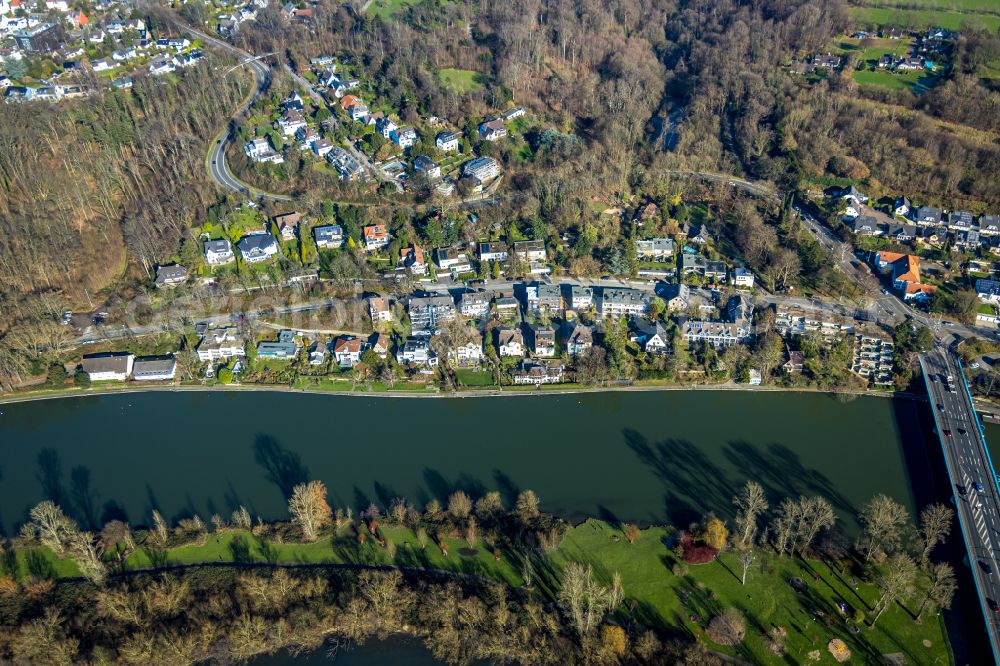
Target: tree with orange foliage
[(309, 508)]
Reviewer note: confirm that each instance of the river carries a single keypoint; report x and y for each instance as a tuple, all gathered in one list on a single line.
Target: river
[(649, 456)]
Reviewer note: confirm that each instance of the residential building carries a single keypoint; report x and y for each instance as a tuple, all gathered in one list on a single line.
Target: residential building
[(853, 199), (903, 233), (42, 38), (716, 270), (543, 297), (428, 167), (494, 251), (329, 236), (287, 225), (919, 292), (989, 225), (376, 237), (108, 366), (507, 306), (693, 263), (492, 130), (412, 259), (347, 351), (530, 251), (347, 167), (530, 372), (474, 304), (755, 377), (579, 340), (873, 359), (416, 351), (447, 141), (902, 206), (378, 309), (960, 220), (154, 368), (516, 112), (218, 252), (467, 354), (677, 296), (617, 302), (738, 327), (510, 342), (543, 341), (482, 169), (220, 343), (967, 240), (404, 137), (655, 249), (290, 122), (450, 259), (260, 150), (322, 147), (988, 291), (580, 297), (380, 345), (928, 216), (742, 277), (795, 363), (170, 276), (160, 65), (385, 127), (257, 247), (427, 313), (651, 336), (283, 349)]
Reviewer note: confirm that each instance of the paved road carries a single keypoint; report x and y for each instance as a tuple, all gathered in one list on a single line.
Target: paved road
[(969, 468), (218, 170)]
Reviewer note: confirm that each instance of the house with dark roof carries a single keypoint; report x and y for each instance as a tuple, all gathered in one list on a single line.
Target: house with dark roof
[(170, 276), (257, 247)]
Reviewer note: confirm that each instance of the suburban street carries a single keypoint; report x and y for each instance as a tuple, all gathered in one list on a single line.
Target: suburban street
[(977, 497), (216, 161)]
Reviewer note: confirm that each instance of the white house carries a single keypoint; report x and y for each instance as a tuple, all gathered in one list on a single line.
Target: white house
[(404, 137), (742, 278), (447, 141), (220, 343), (260, 150), (347, 352), (109, 366), (510, 342), (218, 252), (257, 247), (154, 368)]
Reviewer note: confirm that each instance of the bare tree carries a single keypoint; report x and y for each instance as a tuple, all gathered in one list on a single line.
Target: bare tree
[(309, 509), (583, 599), (895, 583), (527, 505), (160, 532), (749, 504), (459, 505), (941, 590), (746, 559), (728, 628), (816, 514), (86, 552), (241, 518), (883, 519), (935, 525), (50, 526)]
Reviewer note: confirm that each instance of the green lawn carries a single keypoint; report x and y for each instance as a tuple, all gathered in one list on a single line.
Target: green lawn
[(654, 594), (386, 8), (970, 6), (461, 80), (916, 82), (920, 19), (467, 377)]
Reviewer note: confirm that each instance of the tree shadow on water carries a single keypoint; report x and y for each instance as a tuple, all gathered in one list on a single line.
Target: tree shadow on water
[(693, 483), (84, 497), (283, 468), (780, 471), (50, 475)]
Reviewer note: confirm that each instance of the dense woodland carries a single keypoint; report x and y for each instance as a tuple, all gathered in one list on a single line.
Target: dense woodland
[(95, 192)]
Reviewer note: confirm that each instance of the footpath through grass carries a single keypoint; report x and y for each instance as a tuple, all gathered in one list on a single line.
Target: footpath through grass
[(801, 597)]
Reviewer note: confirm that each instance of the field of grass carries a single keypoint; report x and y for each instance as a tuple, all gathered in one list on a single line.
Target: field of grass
[(386, 8), (919, 19), (970, 6), (461, 80), (469, 378), (917, 82), (656, 593)]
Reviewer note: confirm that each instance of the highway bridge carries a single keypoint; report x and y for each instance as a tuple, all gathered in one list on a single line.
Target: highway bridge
[(973, 479)]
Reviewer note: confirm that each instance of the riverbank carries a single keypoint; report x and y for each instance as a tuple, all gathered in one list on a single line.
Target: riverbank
[(434, 392), (800, 596)]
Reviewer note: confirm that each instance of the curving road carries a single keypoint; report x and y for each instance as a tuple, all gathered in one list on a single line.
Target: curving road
[(215, 163)]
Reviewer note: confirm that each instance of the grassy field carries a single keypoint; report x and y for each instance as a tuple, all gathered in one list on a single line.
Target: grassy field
[(656, 593), (919, 19), (918, 82), (469, 378), (461, 80), (385, 8), (971, 6)]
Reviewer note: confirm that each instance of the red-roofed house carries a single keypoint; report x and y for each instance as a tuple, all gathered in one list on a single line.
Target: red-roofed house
[(347, 352), (376, 237)]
